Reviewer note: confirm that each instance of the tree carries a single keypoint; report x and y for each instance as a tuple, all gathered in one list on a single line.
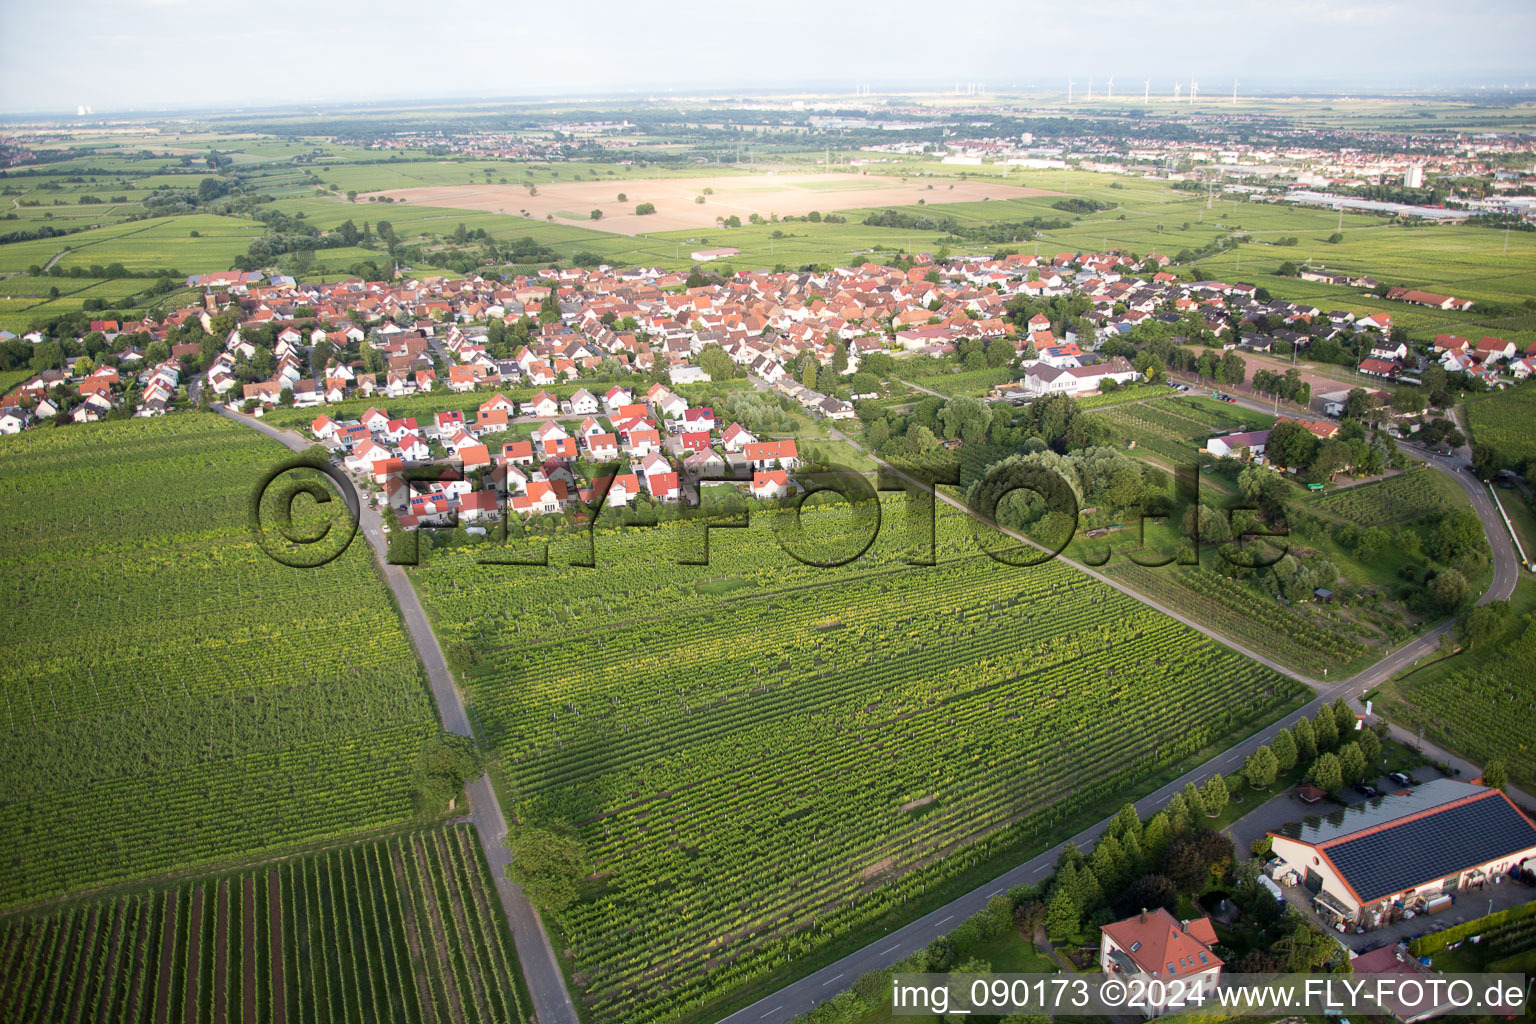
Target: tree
[(549, 864), (1287, 269), (1260, 768), (1486, 461), (623, 198), (1352, 763), (808, 373), (596, 214), (1327, 773), (1028, 917), (445, 763), (1291, 445), (1148, 892), (1449, 588), (84, 367), (1062, 915), (645, 208), (1483, 623), (1215, 795), (1234, 369), (1496, 775), (1284, 748), (714, 361), (1306, 741), (839, 358), (1325, 728), (1370, 748)]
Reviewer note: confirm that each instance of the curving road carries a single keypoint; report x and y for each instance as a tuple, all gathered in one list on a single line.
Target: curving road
[(546, 984), (805, 994)]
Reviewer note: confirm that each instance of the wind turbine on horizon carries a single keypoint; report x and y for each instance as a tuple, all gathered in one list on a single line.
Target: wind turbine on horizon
[(1146, 92), (1111, 88), (1090, 88), (1070, 84), (1234, 92), (1194, 87)]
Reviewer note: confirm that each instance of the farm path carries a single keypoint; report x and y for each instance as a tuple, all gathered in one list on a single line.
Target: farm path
[(546, 984)]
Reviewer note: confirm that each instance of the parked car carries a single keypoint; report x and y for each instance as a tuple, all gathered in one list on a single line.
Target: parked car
[(1402, 779), (1364, 790)]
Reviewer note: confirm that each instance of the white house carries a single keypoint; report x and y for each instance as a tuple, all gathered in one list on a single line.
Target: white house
[(1156, 946)]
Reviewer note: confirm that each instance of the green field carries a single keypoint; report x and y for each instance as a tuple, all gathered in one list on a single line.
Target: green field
[(761, 756), (1471, 702), (1506, 420), (173, 697), (408, 929)]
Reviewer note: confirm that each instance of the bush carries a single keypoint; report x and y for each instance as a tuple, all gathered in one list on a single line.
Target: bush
[(645, 208)]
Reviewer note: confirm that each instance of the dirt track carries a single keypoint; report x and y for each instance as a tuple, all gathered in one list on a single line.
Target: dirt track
[(740, 195)]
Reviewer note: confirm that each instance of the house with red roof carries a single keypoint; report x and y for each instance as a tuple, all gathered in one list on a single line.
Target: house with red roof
[(780, 454), (772, 483), (517, 453), (1156, 945), (663, 486), (602, 447), (736, 437), (694, 440)]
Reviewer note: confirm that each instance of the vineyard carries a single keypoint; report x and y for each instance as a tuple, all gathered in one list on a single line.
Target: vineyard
[(170, 696), (761, 756), (1505, 420), (1175, 429), (406, 930), (1471, 710), (1394, 500), (1254, 619)]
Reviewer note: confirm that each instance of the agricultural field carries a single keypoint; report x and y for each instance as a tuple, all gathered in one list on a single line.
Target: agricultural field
[(171, 696), (677, 200), (1174, 430), (1505, 420), (761, 756), (1395, 500), (1301, 637), (1467, 702), (406, 929)]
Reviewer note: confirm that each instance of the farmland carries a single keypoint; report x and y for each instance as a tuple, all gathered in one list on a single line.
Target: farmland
[(1505, 420), (172, 697), (1471, 701), (1175, 429), (676, 199), (761, 756), (407, 929)]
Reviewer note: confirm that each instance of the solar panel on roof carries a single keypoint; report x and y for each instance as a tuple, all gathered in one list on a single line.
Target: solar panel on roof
[(1437, 845)]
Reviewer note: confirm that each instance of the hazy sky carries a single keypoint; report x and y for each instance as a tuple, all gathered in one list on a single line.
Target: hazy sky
[(202, 54)]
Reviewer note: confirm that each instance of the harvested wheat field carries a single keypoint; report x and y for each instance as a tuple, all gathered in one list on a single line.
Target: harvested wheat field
[(676, 199)]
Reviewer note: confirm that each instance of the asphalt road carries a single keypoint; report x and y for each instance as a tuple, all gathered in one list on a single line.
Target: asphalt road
[(546, 985), (801, 996)]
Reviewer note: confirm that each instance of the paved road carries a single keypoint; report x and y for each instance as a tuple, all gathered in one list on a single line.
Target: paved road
[(803, 995), (546, 985)]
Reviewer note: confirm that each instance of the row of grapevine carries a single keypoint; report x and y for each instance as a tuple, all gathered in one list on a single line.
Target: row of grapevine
[(757, 768), (170, 697), (1239, 610), (405, 930)]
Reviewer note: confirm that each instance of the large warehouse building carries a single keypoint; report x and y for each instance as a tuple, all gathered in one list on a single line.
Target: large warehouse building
[(1370, 864)]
